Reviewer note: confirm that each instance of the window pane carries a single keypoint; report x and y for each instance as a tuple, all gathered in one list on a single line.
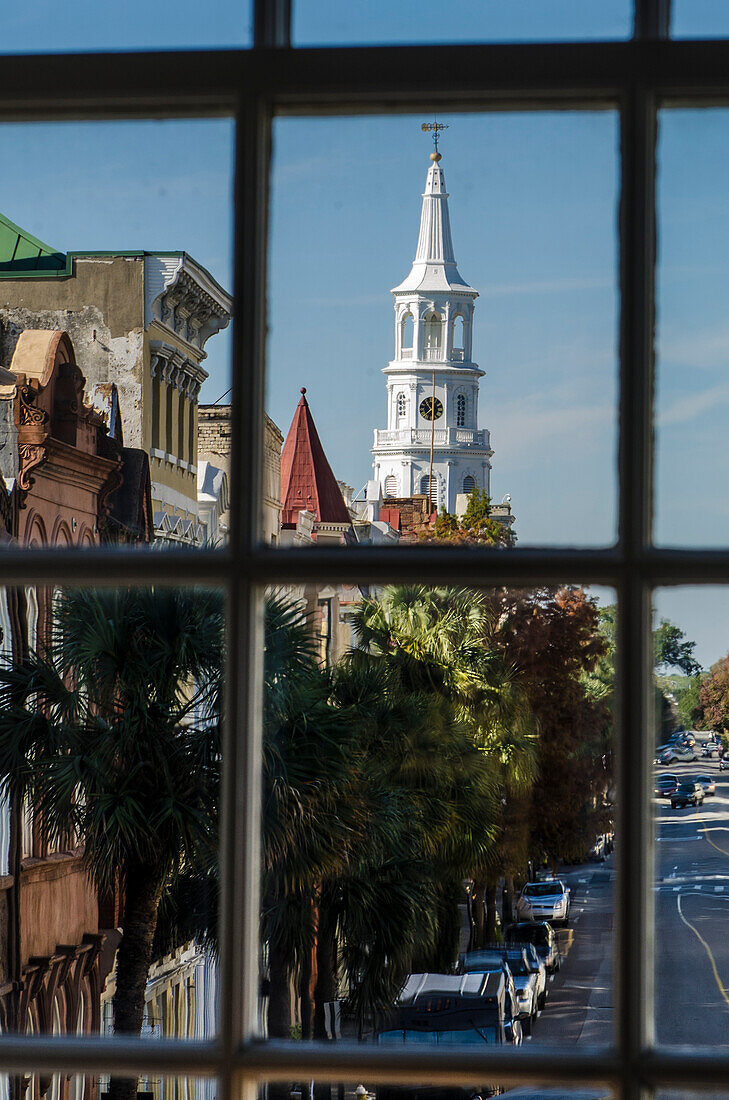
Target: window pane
[(503, 315), (424, 867), (326, 23), (42, 27), (692, 394), (699, 19), (128, 307), (110, 760), (690, 807)]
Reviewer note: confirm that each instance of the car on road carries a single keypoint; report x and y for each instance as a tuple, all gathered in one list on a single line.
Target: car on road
[(529, 977), (711, 748), (542, 938), (690, 793), (664, 785), (444, 1010), (707, 782), (540, 901), (673, 753), (432, 1008)]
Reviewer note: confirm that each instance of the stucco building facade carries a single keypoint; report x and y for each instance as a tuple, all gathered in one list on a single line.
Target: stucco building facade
[(139, 320)]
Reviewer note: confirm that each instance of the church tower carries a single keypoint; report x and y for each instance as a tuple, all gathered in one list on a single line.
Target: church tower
[(432, 382)]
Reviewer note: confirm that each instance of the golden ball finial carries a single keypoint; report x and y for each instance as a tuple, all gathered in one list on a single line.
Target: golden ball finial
[(436, 157)]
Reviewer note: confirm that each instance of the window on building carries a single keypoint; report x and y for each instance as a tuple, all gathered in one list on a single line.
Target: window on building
[(390, 486), (169, 421), (401, 405), (469, 484), (429, 487), (181, 418), (461, 410)]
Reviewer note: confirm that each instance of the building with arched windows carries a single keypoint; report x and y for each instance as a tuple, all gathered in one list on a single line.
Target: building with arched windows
[(432, 382)]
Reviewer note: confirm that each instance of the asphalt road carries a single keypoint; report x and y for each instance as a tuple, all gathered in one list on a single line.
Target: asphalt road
[(692, 916), (692, 932), (579, 1005)]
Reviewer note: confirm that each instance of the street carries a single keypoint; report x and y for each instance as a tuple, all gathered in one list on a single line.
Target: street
[(579, 1006), (692, 907), (692, 924)]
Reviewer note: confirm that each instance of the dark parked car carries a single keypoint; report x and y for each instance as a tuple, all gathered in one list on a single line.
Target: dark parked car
[(665, 785), (707, 782), (688, 794), (541, 935)]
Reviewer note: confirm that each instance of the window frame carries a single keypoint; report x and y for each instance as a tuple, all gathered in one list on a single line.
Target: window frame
[(253, 85)]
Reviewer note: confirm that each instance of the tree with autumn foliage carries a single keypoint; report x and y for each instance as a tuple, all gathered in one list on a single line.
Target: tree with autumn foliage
[(554, 638), (475, 527), (714, 697)]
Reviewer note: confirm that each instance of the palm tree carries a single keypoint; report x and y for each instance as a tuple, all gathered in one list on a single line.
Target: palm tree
[(113, 736), (444, 639)]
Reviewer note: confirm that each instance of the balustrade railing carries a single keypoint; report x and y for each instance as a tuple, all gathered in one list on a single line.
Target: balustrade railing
[(404, 437)]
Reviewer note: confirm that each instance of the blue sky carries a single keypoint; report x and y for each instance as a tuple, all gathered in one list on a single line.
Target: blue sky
[(47, 25)]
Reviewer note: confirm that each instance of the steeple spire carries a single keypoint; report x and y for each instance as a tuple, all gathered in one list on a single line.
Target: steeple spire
[(434, 267)]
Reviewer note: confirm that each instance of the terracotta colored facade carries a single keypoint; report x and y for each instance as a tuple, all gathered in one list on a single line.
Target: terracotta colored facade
[(64, 466)]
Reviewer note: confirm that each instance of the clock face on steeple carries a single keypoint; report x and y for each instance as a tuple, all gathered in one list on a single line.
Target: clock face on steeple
[(431, 409)]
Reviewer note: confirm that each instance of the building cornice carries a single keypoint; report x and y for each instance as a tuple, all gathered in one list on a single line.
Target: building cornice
[(176, 368), (184, 298)]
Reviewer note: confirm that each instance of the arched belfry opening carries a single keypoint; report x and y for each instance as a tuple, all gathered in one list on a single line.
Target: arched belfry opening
[(407, 332), (432, 334)]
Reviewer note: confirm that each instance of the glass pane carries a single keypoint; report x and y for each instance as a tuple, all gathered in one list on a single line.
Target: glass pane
[(699, 19), (690, 801), (426, 879), (326, 23), (110, 759), (80, 25), (121, 329), (515, 272), (691, 457)]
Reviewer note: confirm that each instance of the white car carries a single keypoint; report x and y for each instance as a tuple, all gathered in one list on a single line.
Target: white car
[(672, 753), (540, 901)]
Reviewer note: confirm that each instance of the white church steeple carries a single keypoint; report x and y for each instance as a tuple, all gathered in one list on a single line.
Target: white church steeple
[(432, 382)]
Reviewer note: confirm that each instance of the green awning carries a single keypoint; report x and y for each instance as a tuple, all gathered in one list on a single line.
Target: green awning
[(24, 256)]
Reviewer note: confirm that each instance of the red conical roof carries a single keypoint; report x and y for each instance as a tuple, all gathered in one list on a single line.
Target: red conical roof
[(307, 480)]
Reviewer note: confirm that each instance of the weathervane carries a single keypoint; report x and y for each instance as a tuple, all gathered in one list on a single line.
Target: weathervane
[(434, 128)]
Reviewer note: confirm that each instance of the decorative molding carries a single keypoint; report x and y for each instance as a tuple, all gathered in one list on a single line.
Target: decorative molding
[(183, 297), (30, 455)]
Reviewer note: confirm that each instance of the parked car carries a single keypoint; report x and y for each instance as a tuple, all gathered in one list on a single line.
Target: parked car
[(707, 782), (672, 753), (525, 975), (443, 1010), (540, 901), (664, 785), (723, 763), (688, 794), (711, 748), (453, 1008), (541, 936)]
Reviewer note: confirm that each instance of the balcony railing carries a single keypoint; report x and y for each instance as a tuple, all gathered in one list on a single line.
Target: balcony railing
[(409, 437), (435, 355)]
